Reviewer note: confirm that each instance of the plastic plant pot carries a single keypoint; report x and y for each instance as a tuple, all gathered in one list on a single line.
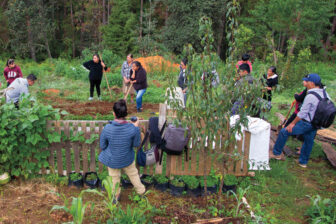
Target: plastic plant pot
[(161, 182), (162, 187), (125, 182), (194, 192), (91, 179), (176, 190), (227, 188), (210, 190), (76, 179), (147, 180)]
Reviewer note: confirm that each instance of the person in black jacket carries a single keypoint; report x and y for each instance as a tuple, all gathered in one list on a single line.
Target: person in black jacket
[(139, 81), (183, 79), (95, 66)]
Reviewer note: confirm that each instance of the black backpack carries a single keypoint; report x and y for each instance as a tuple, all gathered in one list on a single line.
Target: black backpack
[(325, 112)]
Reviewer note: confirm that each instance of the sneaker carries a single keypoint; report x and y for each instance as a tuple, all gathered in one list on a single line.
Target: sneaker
[(90, 98), (302, 165), (277, 157)]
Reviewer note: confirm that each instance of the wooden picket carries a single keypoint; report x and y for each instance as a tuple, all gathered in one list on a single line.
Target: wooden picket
[(66, 156)]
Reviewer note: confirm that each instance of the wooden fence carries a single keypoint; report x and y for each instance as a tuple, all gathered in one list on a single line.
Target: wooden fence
[(68, 156)]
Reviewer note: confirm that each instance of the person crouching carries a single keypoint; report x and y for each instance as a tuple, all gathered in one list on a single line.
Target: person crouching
[(117, 141)]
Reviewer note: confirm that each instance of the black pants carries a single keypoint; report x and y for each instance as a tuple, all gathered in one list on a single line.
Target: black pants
[(95, 83)]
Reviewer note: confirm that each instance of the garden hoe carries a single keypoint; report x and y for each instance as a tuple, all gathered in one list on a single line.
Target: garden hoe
[(284, 122), (108, 85), (128, 91)]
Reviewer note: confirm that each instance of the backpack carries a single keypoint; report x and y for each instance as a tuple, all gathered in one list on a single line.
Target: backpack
[(151, 156), (175, 141), (325, 112)]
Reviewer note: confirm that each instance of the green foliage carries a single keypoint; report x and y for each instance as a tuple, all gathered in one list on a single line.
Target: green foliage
[(130, 216), (75, 176), (321, 210), (77, 207), (191, 181), (57, 180), (211, 181), (230, 180), (24, 156), (177, 182), (119, 35), (239, 199), (148, 179), (161, 179)]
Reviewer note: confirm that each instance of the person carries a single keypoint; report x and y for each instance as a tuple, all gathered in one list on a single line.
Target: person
[(95, 66), (19, 87), (12, 71), (139, 79), (182, 79), (245, 60), (244, 77), (301, 125), (125, 72), (270, 81), (117, 141)]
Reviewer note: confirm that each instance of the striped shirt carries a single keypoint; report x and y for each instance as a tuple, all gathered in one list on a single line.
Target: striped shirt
[(117, 141), (125, 69)]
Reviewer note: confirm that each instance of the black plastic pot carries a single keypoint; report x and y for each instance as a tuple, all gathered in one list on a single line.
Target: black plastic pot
[(227, 188), (77, 183), (91, 183), (176, 191), (162, 187), (126, 183), (196, 192), (210, 189), (143, 177)]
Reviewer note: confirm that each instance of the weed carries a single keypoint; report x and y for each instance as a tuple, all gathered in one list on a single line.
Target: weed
[(321, 210)]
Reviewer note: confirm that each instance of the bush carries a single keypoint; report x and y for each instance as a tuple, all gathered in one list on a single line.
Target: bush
[(24, 135), (321, 210)]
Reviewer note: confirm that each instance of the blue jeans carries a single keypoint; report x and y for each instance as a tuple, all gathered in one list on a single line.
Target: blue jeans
[(138, 99), (301, 128)]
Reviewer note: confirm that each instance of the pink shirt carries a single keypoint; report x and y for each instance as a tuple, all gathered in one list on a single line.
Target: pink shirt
[(242, 62)]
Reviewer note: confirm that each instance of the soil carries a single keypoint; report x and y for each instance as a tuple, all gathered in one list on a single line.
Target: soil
[(31, 202), (157, 63), (93, 107), (51, 91)]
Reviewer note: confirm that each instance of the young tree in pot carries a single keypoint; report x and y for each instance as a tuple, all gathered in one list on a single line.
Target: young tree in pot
[(206, 120), (230, 183), (176, 186), (192, 185), (91, 179), (75, 179), (211, 185), (161, 182), (147, 180)]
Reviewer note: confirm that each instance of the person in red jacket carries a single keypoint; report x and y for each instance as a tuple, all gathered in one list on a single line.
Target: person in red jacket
[(12, 71)]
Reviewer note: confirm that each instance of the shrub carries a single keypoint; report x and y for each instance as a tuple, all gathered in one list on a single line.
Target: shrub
[(321, 210), (161, 179), (191, 181)]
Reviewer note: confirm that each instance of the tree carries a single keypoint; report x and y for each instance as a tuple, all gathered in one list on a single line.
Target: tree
[(121, 32)]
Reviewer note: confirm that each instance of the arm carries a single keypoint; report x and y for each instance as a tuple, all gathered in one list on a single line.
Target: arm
[(19, 72), (103, 65), (6, 74), (137, 138), (87, 65), (103, 142)]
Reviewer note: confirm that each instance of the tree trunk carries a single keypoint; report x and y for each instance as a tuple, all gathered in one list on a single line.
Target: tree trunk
[(73, 31), (221, 35), (104, 13), (283, 39), (141, 15), (30, 39), (166, 16), (332, 31), (47, 46)]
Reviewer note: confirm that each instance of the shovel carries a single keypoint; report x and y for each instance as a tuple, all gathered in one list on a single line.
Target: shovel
[(128, 91), (290, 109)]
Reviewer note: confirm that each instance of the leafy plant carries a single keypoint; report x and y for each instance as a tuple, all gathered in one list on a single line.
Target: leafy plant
[(111, 199), (177, 183), (148, 179), (91, 176), (24, 155), (211, 181), (161, 179), (230, 180), (191, 181), (75, 176), (321, 210), (239, 199), (77, 207), (130, 216)]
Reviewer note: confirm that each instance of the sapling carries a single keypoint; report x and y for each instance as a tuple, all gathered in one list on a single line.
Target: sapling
[(191, 181), (161, 179), (75, 176)]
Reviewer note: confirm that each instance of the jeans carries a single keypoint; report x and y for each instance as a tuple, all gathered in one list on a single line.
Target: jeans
[(301, 128), (138, 99)]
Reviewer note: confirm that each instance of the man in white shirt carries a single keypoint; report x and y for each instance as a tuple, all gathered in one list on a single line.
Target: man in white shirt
[(18, 87)]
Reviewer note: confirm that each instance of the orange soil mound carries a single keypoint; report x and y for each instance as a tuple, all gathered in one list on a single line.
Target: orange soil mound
[(157, 63), (52, 91)]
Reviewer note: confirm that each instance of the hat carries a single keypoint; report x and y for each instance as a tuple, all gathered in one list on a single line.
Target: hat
[(315, 78)]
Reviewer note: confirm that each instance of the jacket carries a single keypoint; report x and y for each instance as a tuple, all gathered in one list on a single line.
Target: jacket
[(12, 73), (96, 70), (141, 79)]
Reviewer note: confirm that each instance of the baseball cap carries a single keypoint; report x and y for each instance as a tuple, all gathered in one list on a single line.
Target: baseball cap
[(315, 78)]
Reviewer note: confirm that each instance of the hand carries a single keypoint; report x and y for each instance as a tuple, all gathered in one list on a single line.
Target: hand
[(102, 64), (136, 124), (269, 88), (127, 81), (290, 127), (293, 103), (184, 91)]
